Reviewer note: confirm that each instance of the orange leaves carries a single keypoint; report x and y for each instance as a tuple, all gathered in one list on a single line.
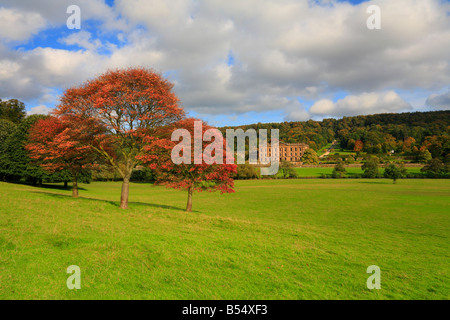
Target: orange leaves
[(56, 145)]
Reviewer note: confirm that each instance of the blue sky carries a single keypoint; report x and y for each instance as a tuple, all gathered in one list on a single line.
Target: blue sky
[(240, 62)]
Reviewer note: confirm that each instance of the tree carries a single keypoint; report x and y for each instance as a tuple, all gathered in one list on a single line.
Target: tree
[(6, 128), (15, 162), (359, 146), (339, 169), (12, 110), (395, 172), (123, 112), (370, 167), (310, 157), (210, 174), (57, 146), (287, 170), (435, 168), (246, 171), (424, 155), (408, 144)]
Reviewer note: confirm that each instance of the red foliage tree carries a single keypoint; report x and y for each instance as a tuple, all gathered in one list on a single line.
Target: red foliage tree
[(210, 174), (123, 111), (56, 146), (359, 145)]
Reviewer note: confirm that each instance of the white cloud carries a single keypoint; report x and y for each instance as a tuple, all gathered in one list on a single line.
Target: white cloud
[(365, 103), (82, 39), (16, 25), (39, 110), (296, 112), (282, 49), (439, 101)]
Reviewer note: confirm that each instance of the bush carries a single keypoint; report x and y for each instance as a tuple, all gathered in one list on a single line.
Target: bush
[(246, 171), (339, 170), (435, 168), (144, 174), (287, 170)]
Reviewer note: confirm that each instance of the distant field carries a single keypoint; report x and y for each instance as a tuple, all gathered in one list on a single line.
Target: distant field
[(272, 239), (317, 172)]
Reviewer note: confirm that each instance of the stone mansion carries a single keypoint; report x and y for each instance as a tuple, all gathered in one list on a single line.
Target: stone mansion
[(291, 152)]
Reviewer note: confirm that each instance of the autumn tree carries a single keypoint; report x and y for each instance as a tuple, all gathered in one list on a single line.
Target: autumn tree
[(408, 144), (124, 111), (358, 147), (56, 145), (209, 173)]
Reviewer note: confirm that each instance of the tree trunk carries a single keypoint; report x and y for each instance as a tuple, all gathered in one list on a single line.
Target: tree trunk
[(75, 187), (125, 191), (65, 184), (189, 202), (40, 183)]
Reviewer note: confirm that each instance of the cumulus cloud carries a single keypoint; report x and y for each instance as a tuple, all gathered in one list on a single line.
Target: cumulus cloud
[(280, 51), (296, 112), (363, 104), (16, 25), (39, 110), (439, 101), (82, 39)]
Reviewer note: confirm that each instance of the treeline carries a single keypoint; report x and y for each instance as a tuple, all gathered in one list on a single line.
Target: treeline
[(316, 134), (420, 136)]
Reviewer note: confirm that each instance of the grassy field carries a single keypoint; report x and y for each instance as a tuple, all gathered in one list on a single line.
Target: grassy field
[(272, 239), (318, 172)]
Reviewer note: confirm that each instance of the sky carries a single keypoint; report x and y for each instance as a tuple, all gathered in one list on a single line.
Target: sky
[(237, 62)]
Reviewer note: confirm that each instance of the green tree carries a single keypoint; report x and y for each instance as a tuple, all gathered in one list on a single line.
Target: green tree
[(6, 128), (12, 110), (310, 157), (15, 162), (435, 168), (395, 172), (339, 169), (246, 171), (424, 155), (287, 170), (370, 167)]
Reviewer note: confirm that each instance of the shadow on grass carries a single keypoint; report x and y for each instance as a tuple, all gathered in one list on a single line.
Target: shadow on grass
[(376, 182), (113, 203), (45, 186)]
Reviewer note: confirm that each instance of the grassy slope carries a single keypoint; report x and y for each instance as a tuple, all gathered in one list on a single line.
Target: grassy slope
[(280, 239)]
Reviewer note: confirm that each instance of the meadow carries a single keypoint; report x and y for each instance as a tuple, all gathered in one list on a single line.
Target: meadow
[(272, 239), (350, 172)]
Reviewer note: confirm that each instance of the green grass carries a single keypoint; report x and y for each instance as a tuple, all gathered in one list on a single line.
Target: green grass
[(318, 172), (272, 239), (324, 149)]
